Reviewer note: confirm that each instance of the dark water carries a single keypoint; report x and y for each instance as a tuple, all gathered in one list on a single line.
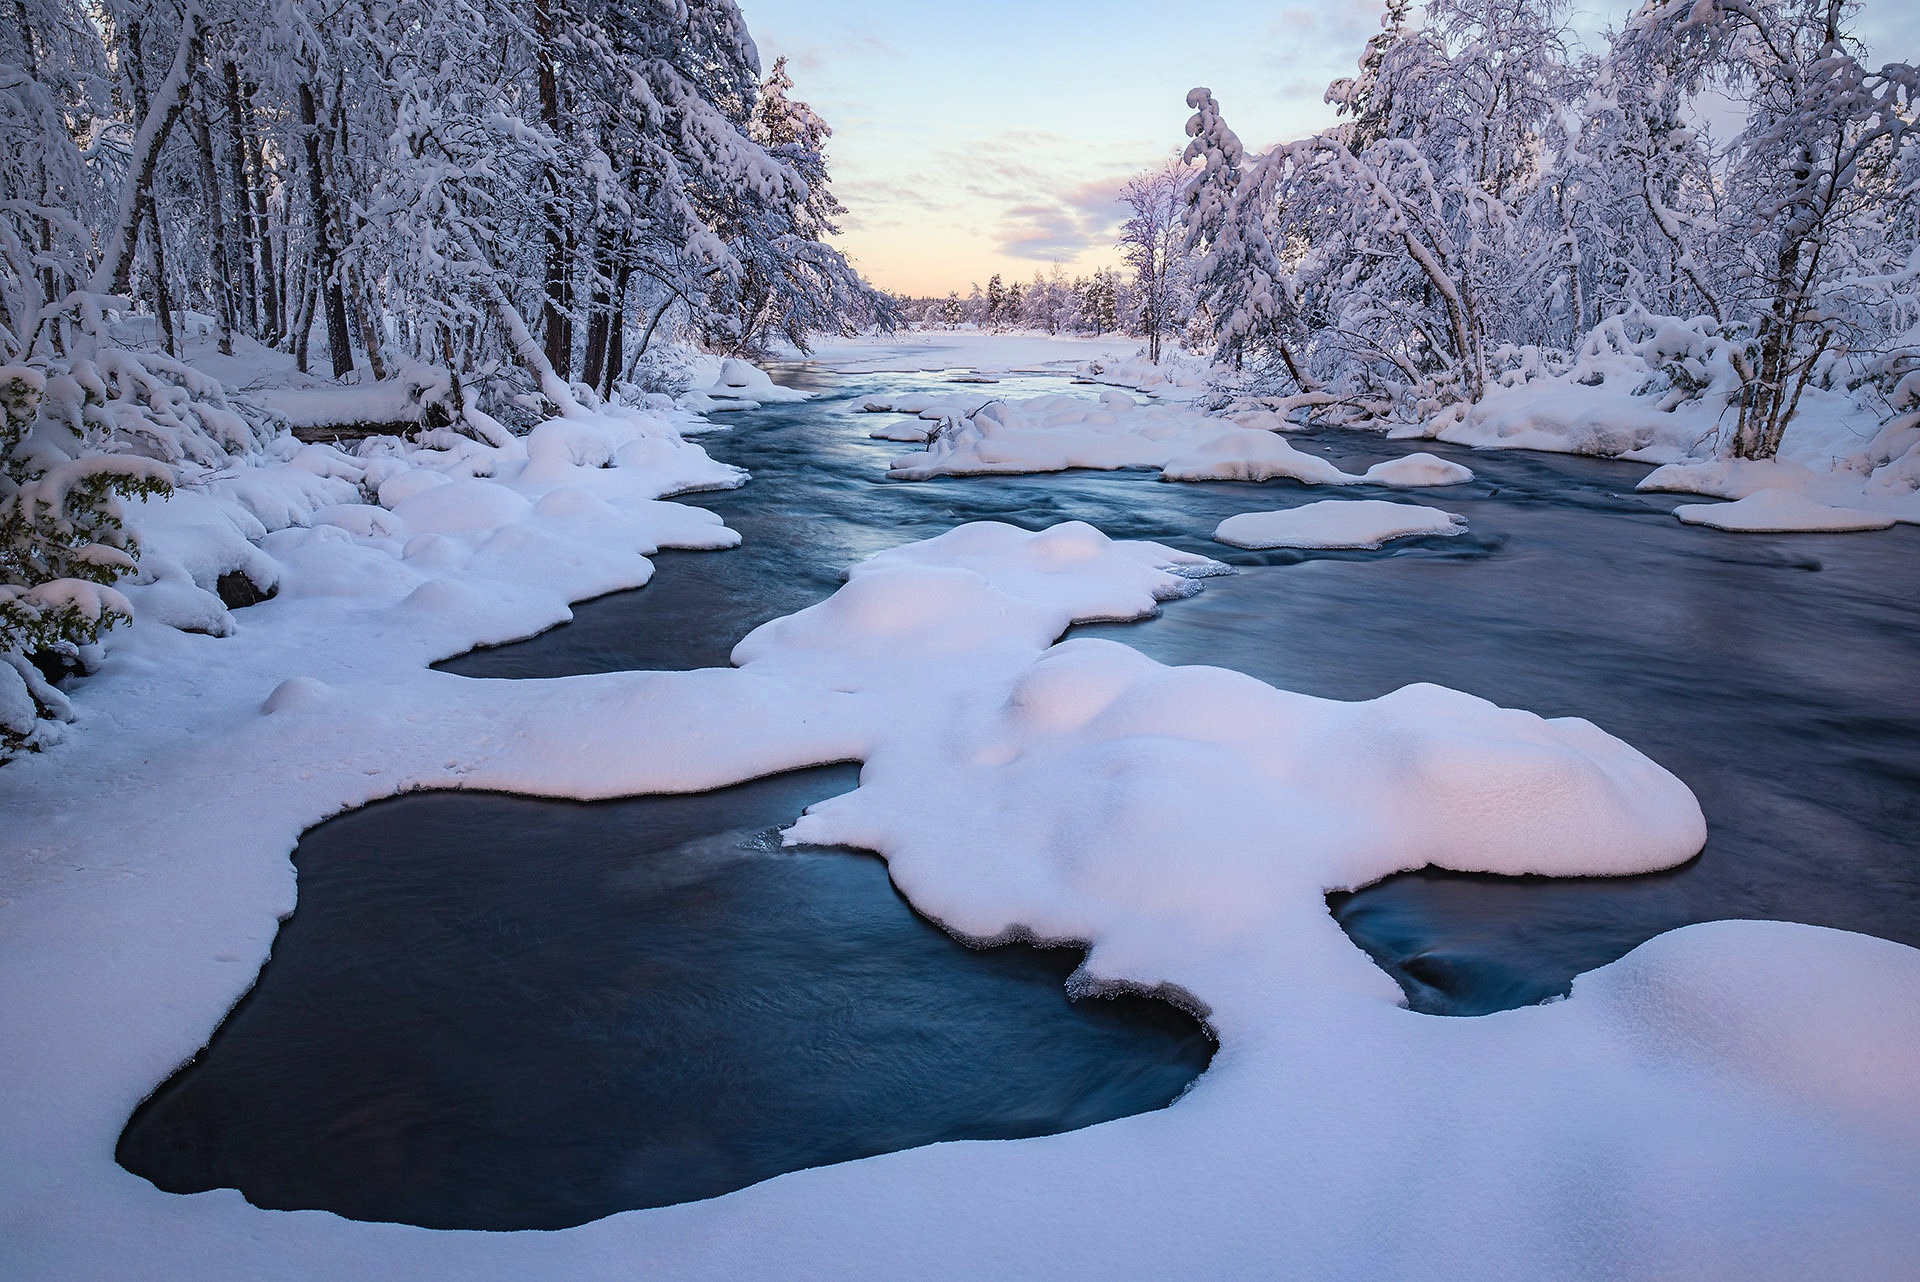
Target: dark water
[(1778, 675), (498, 1012)]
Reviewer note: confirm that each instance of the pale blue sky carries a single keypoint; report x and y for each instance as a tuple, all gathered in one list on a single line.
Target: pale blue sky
[(991, 136)]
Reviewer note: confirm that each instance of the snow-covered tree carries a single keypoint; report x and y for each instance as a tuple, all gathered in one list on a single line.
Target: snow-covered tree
[(63, 542), (1806, 184), (1237, 274), (1153, 244)]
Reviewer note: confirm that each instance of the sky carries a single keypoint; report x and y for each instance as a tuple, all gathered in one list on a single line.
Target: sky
[(982, 136)]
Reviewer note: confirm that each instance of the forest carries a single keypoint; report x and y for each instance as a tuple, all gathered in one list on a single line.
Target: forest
[(1361, 724), (500, 207)]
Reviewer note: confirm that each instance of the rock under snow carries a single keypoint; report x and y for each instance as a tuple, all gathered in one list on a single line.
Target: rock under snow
[(1781, 512), (1337, 523), (975, 436)]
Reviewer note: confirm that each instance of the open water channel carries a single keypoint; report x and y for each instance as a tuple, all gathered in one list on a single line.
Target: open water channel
[(497, 1012)]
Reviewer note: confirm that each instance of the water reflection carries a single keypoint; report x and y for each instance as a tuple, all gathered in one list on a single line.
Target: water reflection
[(497, 1012)]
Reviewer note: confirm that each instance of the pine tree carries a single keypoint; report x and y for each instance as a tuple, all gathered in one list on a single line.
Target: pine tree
[(1237, 276)]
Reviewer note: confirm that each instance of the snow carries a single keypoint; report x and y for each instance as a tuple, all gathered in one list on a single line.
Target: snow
[(1838, 468), (1337, 523), (400, 399), (1782, 494), (735, 385), (1565, 417), (972, 351), (1780, 511), (1731, 1099), (972, 435)]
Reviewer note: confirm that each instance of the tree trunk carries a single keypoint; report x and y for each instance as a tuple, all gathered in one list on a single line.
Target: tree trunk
[(300, 305), (556, 319), (325, 254), (226, 296), (162, 292), (114, 273), (617, 331), (368, 320), (646, 339), (599, 304), (277, 305), (246, 227)]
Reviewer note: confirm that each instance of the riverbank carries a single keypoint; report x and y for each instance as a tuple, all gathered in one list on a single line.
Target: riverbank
[(1681, 1111)]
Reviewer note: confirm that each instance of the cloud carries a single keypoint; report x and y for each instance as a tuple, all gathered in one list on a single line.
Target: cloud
[(1062, 223)]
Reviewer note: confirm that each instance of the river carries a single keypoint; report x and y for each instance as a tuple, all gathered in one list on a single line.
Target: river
[(496, 1012)]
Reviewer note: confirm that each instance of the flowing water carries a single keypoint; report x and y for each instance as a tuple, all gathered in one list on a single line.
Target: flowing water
[(496, 1012)]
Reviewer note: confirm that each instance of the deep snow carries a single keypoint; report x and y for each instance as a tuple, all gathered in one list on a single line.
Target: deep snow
[(1731, 1099), (1337, 523)]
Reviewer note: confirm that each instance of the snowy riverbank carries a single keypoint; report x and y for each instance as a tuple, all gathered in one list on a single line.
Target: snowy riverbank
[(1692, 1108)]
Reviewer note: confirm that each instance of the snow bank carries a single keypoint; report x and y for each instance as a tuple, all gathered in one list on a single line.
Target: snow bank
[(400, 400), (975, 435), (1782, 494), (1179, 376), (568, 511), (1779, 512), (1565, 417), (974, 351), (1836, 453), (1337, 523), (735, 385), (1729, 1100)]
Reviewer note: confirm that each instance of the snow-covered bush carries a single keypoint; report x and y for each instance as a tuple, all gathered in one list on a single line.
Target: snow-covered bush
[(63, 540)]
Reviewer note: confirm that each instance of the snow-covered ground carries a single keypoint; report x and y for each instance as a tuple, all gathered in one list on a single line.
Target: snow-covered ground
[(1835, 455), (977, 352), (975, 434), (1729, 1100)]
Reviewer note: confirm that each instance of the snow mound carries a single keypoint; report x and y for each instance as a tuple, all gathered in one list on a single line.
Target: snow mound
[(1820, 457), (1065, 807), (1417, 471), (979, 596), (738, 385), (1768, 1004), (1337, 523), (1780, 512), (1564, 417), (972, 436), (1804, 496), (1247, 454)]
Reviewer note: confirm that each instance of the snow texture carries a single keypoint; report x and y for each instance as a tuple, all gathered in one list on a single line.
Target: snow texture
[(1780, 511), (1731, 1100), (736, 385), (973, 435), (1187, 823), (1822, 462), (1337, 523)]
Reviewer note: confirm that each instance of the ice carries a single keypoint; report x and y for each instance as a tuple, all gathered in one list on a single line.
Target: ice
[(1337, 523)]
